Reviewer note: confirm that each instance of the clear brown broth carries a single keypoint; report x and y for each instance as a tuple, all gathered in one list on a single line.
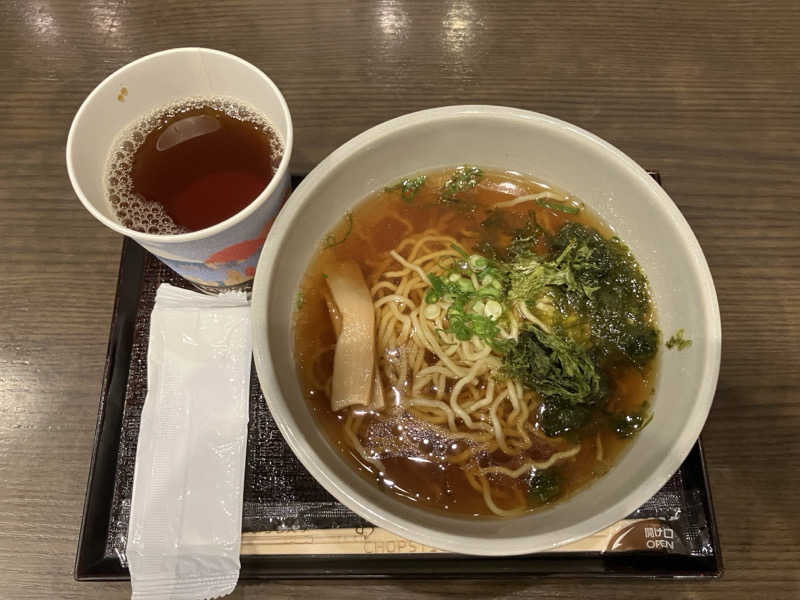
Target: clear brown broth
[(422, 476)]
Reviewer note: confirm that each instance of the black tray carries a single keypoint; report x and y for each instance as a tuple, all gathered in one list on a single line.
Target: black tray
[(280, 495)]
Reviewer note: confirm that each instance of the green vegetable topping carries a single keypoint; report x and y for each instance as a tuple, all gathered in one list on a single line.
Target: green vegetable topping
[(590, 306), (530, 275), (554, 367), (524, 240), (437, 290), (607, 285), (478, 263), (494, 220), (301, 299), (469, 311), (626, 426), (460, 250), (678, 341), (572, 209), (408, 187), (493, 309), (544, 486), (557, 417), (330, 239), (463, 179)]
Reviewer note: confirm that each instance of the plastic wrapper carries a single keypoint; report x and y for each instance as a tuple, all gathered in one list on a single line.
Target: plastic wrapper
[(185, 529)]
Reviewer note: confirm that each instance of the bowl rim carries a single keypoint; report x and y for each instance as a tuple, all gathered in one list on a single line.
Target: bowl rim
[(468, 544)]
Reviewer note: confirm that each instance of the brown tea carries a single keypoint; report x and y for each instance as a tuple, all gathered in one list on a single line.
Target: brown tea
[(191, 165)]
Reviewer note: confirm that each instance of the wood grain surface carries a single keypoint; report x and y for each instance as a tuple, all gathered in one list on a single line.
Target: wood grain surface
[(706, 92)]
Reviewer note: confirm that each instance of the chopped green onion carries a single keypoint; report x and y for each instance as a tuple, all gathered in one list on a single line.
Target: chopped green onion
[(493, 309), (465, 285), (437, 289), (478, 262), (459, 250), (478, 307), (330, 240), (454, 277), (490, 291), (431, 311)]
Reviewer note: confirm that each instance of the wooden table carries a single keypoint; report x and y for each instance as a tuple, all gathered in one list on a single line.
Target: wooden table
[(708, 93)]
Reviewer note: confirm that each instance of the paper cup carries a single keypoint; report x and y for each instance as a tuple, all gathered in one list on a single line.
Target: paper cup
[(216, 257)]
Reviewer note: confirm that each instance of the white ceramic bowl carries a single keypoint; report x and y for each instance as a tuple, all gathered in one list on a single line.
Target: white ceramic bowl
[(606, 179)]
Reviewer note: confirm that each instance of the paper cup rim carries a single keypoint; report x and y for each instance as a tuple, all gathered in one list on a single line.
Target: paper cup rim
[(207, 232)]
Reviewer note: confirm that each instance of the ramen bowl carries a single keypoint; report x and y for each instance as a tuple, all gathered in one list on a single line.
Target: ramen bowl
[(619, 191)]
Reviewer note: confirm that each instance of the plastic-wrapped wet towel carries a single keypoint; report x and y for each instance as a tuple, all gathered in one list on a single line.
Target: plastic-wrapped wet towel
[(186, 512)]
